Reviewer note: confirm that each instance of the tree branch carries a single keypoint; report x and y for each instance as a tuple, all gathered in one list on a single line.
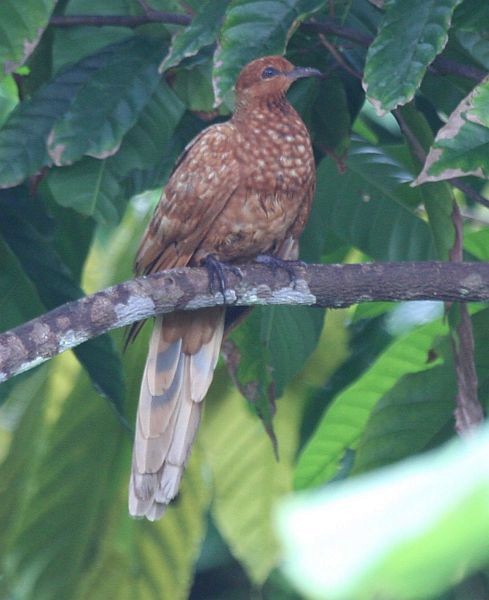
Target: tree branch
[(332, 286)]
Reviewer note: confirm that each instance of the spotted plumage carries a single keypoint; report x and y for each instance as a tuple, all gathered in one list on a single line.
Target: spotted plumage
[(242, 188)]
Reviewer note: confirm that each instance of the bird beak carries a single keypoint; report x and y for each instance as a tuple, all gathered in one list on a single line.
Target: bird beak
[(300, 72)]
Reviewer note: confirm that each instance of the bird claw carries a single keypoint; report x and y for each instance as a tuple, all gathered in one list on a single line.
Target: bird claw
[(274, 263), (217, 274)]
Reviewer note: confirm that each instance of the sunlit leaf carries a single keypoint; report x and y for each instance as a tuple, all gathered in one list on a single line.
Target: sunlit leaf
[(346, 417), (402, 532)]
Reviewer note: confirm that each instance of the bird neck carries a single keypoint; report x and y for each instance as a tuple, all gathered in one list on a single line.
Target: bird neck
[(272, 105)]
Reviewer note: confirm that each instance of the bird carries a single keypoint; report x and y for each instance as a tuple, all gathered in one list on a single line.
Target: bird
[(241, 189)]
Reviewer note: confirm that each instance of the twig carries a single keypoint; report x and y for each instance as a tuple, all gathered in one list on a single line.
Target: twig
[(339, 58), (188, 289), (468, 409), (120, 20)]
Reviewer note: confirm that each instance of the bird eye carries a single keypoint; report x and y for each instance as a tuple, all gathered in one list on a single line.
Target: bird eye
[(269, 72)]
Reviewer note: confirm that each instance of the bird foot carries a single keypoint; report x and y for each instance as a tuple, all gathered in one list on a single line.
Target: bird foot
[(217, 274), (274, 263)]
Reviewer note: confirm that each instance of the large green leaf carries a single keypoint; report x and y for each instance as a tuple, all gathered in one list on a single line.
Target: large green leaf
[(201, 32), (410, 37), (96, 187), (55, 286), (248, 480), (68, 495), (342, 425), (140, 559), (119, 91), (366, 206), (407, 418), (254, 28), (23, 137), (21, 27), (269, 349), (405, 532), (461, 145)]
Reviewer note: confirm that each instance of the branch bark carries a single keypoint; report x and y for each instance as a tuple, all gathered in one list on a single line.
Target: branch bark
[(333, 286)]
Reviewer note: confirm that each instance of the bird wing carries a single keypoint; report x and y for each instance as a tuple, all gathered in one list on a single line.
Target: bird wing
[(205, 178)]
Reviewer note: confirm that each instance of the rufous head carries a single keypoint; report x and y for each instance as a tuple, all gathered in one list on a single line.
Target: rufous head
[(269, 76)]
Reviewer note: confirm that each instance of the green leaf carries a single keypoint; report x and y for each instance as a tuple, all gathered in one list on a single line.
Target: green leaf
[(470, 20), (21, 27), (366, 206), (345, 419), (332, 134), (201, 32), (248, 480), (55, 286), (23, 137), (154, 560), (407, 418), (461, 145), (438, 197), (62, 514), (254, 28), (120, 91), (9, 98), (26, 402), (268, 350), (403, 532), (96, 187), (410, 37)]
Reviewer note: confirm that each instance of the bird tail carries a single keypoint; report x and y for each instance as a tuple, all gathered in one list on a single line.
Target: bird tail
[(183, 353)]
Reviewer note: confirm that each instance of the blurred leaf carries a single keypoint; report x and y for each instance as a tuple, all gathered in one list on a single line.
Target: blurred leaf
[(470, 20), (248, 480), (26, 401), (21, 27), (140, 559), (366, 206), (55, 286), (461, 146), (477, 243), (64, 512), (407, 418), (24, 135), (201, 32), (120, 90), (410, 37), (345, 419), (402, 532), (254, 28), (96, 187)]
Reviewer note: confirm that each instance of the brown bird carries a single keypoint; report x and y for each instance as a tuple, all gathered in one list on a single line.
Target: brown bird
[(242, 188)]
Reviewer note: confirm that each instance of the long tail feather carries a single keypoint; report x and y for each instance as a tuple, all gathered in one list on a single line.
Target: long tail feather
[(183, 353)]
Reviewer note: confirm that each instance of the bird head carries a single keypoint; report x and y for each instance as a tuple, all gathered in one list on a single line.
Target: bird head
[(268, 77)]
